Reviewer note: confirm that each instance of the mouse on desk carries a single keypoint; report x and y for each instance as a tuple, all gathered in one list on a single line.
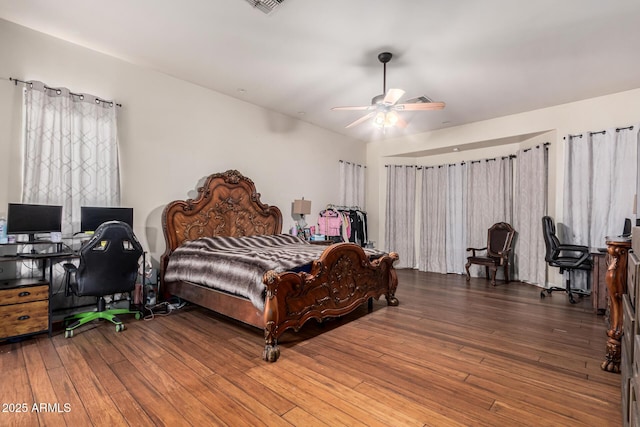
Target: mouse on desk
[(603, 250)]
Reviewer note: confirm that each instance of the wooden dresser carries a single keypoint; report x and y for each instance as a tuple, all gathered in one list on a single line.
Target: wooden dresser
[(24, 307), (630, 340)]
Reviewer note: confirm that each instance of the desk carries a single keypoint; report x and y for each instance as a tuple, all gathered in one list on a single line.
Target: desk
[(25, 303), (616, 279)]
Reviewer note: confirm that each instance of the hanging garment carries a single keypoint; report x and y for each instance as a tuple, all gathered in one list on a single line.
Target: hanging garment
[(330, 222)]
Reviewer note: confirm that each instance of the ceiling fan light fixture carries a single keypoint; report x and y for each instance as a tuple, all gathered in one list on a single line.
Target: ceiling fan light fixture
[(385, 119), (379, 120), (391, 118)]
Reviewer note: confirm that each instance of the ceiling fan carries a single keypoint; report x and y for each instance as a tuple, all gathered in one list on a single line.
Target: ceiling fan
[(384, 107)]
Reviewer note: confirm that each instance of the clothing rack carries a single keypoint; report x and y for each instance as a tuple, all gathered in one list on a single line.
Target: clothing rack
[(344, 208), (344, 223)]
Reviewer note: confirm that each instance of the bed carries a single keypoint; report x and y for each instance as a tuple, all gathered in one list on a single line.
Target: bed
[(341, 279)]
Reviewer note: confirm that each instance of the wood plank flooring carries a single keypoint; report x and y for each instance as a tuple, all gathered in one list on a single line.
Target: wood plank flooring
[(451, 354)]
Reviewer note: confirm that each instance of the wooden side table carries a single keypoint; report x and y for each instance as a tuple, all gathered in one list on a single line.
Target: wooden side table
[(616, 279), (24, 307)]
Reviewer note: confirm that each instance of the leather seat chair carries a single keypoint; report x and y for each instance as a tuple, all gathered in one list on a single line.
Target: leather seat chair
[(565, 257)]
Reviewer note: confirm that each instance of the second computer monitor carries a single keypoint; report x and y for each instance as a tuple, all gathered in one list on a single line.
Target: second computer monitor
[(91, 217)]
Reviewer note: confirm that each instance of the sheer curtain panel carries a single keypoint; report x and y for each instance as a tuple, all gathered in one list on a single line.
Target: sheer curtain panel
[(433, 253), (456, 246), (70, 151), (530, 205), (600, 184), (352, 184), (400, 214), (489, 200)]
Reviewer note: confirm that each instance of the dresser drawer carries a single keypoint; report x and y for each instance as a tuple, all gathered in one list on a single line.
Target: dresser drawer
[(27, 318), (24, 294), (625, 383), (633, 414), (633, 265), (636, 360), (628, 325)]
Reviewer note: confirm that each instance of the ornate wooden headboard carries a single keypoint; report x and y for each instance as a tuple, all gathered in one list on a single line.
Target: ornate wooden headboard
[(227, 205)]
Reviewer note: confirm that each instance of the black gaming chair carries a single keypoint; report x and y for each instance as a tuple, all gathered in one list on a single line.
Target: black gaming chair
[(565, 257), (108, 265)]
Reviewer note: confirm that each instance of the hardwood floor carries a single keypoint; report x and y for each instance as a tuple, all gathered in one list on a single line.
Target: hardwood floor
[(450, 354)]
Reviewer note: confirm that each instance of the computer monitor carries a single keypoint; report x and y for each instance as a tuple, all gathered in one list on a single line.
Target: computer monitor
[(626, 231), (91, 217), (23, 218)]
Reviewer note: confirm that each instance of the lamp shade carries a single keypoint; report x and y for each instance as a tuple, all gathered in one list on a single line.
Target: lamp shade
[(302, 207)]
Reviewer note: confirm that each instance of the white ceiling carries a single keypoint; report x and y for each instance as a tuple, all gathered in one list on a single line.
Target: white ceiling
[(484, 59)]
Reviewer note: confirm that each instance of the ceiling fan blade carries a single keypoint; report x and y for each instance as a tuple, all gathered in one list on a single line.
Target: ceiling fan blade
[(360, 120), (419, 106), (368, 107), (392, 96)]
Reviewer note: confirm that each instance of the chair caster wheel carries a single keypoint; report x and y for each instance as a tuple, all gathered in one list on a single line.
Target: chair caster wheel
[(119, 327), (68, 333), (138, 315), (542, 295), (572, 300)]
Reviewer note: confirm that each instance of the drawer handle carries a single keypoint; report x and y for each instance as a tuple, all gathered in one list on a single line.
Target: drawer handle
[(24, 294), (25, 317)]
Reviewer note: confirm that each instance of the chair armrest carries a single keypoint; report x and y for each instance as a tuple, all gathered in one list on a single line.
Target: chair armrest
[(504, 254), (473, 250), (573, 248), (69, 268), (584, 252)]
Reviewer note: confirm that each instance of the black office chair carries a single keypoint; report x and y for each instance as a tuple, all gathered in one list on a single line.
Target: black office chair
[(565, 257), (108, 265)]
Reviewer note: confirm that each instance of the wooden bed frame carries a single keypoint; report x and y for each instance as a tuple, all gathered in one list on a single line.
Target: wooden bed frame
[(342, 278)]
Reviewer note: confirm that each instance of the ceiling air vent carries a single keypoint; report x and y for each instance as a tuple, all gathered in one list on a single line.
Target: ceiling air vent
[(267, 6)]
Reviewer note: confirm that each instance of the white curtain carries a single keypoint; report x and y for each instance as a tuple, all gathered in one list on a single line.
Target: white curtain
[(456, 246), (433, 253), (443, 219), (489, 200), (600, 184), (400, 214), (70, 151), (530, 205), (352, 184)]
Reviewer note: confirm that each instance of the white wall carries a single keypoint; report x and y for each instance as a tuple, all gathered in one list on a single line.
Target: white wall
[(172, 133), (621, 109)]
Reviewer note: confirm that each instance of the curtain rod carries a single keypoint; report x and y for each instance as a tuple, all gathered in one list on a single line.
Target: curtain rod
[(81, 96), (510, 156), (355, 164), (537, 146), (579, 135)]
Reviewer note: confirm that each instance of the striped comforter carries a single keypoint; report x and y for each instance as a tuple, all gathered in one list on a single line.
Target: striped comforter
[(236, 264)]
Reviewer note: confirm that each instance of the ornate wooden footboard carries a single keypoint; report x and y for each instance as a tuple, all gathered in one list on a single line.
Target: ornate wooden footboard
[(342, 278)]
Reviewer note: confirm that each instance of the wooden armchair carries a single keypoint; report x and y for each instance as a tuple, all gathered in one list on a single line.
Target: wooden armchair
[(498, 251)]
